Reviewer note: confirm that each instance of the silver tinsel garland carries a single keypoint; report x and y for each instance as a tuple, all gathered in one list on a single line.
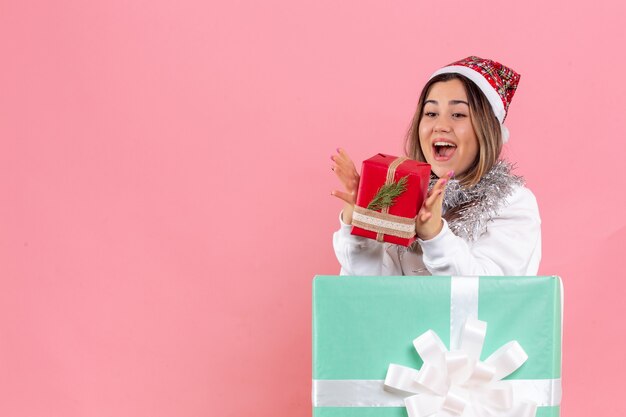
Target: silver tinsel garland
[(480, 202)]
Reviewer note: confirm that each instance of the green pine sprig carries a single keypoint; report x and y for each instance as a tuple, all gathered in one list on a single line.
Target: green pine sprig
[(387, 194)]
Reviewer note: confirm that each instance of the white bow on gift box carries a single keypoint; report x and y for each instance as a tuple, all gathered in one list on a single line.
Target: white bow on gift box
[(456, 383)]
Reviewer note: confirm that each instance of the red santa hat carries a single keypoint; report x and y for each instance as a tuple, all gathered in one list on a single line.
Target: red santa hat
[(496, 81)]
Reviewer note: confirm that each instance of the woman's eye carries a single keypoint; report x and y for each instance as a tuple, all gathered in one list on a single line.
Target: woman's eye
[(458, 115), (430, 114)]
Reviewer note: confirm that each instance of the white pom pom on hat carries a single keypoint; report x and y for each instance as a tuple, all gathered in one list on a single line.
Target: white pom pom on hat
[(497, 82)]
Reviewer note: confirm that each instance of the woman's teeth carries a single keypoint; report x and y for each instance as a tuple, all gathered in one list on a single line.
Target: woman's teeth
[(444, 148)]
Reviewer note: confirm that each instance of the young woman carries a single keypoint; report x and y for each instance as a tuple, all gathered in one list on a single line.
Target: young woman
[(478, 218)]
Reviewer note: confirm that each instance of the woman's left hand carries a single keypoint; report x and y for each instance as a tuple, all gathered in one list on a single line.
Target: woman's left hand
[(428, 223)]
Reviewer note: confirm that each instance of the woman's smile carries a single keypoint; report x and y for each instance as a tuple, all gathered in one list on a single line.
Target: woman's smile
[(443, 149)]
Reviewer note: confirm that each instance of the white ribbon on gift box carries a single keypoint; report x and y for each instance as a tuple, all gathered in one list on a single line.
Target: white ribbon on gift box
[(471, 381), (457, 383)]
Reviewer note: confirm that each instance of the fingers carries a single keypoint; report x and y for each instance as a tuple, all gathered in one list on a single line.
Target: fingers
[(436, 193), (434, 200), (341, 153), (443, 181), (424, 216), (348, 178), (347, 197), (342, 159), (345, 170)]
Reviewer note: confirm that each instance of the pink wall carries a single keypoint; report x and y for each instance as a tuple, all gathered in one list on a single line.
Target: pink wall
[(165, 182)]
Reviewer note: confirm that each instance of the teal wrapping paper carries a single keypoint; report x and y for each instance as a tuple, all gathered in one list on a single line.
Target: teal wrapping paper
[(362, 324)]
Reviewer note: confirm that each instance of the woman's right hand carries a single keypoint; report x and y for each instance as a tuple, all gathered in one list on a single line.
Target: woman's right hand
[(349, 177)]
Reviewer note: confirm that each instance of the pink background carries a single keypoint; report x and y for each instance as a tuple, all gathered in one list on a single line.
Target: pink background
[(165, 183)]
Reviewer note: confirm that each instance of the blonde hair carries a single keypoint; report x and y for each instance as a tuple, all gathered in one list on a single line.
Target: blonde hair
[(484, 121)]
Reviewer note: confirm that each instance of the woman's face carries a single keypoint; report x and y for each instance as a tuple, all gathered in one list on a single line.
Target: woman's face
[(446, 133)]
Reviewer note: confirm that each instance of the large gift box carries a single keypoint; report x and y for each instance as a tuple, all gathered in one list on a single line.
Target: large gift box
[(436, 346), (391, 192)]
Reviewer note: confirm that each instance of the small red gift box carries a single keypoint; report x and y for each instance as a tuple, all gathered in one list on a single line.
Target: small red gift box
[(394, 223)]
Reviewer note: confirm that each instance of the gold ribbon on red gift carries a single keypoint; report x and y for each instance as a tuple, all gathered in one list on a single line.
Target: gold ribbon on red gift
[(382, 222)]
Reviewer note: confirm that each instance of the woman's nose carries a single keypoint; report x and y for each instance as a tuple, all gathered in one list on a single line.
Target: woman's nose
[(441, 126)]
